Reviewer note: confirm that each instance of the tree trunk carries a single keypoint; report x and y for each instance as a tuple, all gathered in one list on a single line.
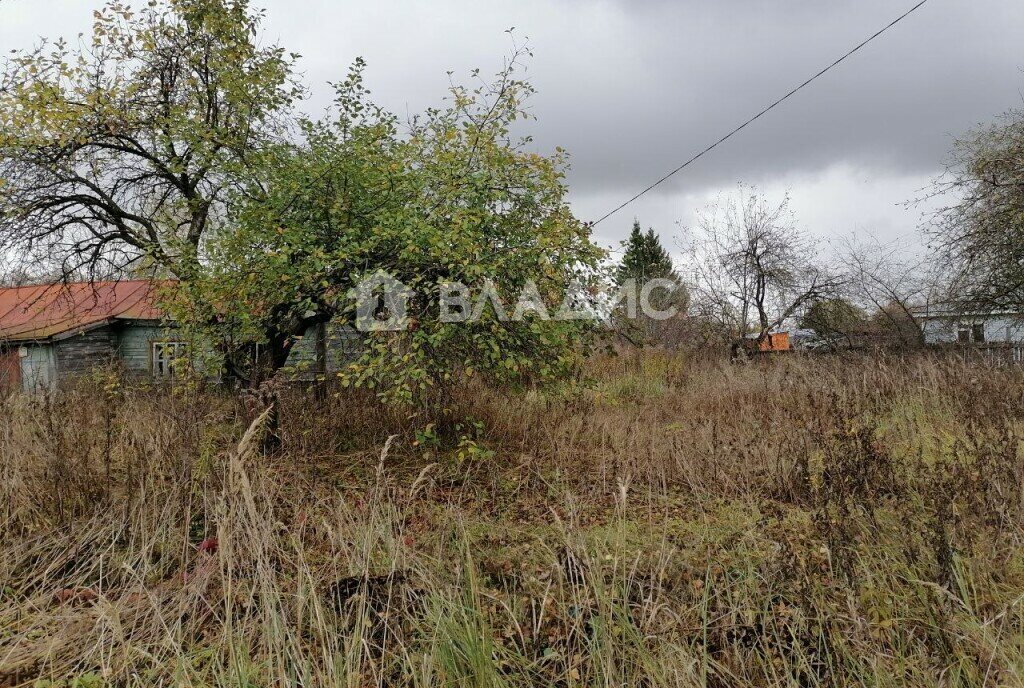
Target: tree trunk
[(320, 385)]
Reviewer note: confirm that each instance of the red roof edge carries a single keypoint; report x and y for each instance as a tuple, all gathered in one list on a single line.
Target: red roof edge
[(50, 311)]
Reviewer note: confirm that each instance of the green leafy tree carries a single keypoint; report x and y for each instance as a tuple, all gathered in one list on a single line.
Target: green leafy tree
[(119, 152), (454, 197), (836, 320), (168, 142)]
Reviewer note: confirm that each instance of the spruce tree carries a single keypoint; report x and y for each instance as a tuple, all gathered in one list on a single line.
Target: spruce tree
[(644, 258)]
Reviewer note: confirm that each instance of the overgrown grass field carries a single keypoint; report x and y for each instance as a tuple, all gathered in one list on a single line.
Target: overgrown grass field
[(664, 522)]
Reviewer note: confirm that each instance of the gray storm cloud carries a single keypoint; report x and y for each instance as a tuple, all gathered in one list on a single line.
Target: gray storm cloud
[(633, 88)]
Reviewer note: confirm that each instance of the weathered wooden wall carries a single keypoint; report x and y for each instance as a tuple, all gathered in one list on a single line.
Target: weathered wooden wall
[(84, 352), (136, 346), (38, 368), (131, 346), (10, 369), (343, 346)]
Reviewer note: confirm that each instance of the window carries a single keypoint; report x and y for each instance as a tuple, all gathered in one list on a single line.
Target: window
[(978, 332), (165, 358), (963, 335)]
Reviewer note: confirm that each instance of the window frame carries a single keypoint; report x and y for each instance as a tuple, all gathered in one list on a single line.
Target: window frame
[(159, 358)]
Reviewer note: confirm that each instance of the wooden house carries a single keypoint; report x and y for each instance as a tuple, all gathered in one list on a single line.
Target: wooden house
[(52, 333), (57, 331)]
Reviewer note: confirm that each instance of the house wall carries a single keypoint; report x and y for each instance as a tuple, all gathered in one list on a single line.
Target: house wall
[(344, 345), (1001, 329), (10, 369), (136, 347), (777, 341), (84, 352), (47, 364), (38, 367)]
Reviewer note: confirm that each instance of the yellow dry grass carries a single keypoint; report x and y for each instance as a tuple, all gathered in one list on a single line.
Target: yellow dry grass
[(670, 522)]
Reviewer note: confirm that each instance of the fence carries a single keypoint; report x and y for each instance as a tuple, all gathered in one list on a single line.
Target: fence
[(1000, 354)]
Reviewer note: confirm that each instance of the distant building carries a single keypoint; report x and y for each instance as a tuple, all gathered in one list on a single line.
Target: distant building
[(997, 331), (947, 326), (52, 333)]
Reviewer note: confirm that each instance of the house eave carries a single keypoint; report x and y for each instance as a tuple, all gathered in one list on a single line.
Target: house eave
[(969, 316), (30, 338)]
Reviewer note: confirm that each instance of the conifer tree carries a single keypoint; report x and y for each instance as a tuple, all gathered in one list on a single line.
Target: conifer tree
[(644, 258)]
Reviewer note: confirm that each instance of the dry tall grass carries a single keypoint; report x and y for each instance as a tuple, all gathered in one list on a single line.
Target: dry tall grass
[(675, 523)]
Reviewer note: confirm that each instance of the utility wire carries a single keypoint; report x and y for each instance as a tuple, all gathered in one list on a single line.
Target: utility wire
[(764, 112)]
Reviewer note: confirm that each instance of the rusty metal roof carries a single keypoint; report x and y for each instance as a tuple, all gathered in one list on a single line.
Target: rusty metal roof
[(51, 311)]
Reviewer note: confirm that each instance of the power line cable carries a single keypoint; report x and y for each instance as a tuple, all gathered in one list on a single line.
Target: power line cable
[(764, 112)]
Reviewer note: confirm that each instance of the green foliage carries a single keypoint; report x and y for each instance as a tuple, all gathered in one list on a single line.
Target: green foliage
[(169, 143), (118, 152), (454, 198), (982, 236), (833, 317), (644, 258)]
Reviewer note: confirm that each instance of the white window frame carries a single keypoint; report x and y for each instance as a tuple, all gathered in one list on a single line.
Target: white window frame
[(163, 358)]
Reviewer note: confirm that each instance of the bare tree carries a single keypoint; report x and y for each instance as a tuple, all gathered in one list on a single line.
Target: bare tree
[(750, 268), (981, 236), (889, 281), (121, 148)]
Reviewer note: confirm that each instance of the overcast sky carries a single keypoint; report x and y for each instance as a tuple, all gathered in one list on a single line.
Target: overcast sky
[(633, 88)]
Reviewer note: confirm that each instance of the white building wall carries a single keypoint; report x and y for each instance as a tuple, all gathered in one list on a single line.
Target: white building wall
[(998, 329)]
